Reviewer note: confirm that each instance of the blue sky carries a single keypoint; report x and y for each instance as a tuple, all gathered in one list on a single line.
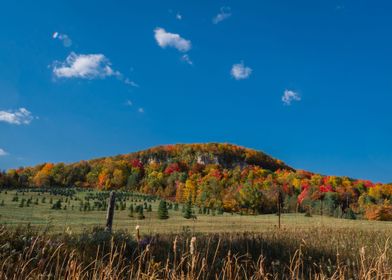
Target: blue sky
[(309, 82)]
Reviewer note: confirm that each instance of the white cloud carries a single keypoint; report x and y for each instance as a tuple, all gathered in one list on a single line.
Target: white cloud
[(178, 16), (185, 58), (130, 82), (85, 66), (140, 110), (224, 13), (128, 103), (240, 71), (18, 117), (64, 38), (289, 96), (167, 39), (3, 153)]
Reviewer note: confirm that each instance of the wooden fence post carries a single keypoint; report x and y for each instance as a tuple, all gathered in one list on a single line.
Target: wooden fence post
[(110, 213)]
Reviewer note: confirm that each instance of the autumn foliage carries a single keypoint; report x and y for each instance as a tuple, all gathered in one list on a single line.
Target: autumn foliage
[(217, 176)]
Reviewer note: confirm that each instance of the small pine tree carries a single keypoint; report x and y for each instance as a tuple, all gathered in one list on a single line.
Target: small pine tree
[(176, 206), (130, 214), (162, 210), (22, 202), (57, 205), (188, 210), (140, 214), (2, 203), (149, 208)]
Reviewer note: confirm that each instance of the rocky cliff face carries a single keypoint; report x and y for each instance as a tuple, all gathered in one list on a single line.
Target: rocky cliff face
[(226, 155)]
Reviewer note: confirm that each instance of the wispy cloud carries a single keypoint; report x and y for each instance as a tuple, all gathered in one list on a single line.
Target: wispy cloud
[(224, 13), (185, 58), (128, 103), (64, 38), (290, 96), (130, 82), (3, 153), (178, 16), (84, 66), (17, 117), (167, 39), (140, 110), (240, 72)]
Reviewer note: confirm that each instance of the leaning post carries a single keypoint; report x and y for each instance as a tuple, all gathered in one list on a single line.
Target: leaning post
[(110, 213)]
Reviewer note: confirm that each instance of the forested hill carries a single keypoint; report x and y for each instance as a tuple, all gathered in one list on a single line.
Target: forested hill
[(217, 176)]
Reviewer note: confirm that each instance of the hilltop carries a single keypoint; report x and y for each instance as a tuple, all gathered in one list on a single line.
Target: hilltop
[(224, 155)]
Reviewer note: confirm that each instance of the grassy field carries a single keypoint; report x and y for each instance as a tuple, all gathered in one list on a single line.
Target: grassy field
[(70, 243), (75, 220)]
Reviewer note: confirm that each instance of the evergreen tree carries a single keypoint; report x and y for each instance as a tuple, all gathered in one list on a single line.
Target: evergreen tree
[(176, 206), (162, 210), (140, 214), (57, 205), (130, 211), (22, 202), (188, 210)]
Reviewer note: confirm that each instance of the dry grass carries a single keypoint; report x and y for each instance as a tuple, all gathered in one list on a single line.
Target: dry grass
[(287, 254)]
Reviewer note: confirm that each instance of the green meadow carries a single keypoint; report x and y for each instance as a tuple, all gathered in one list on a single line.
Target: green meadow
[(75, 216)]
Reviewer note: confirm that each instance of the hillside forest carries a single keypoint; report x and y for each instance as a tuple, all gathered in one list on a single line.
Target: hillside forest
[(223, 177)]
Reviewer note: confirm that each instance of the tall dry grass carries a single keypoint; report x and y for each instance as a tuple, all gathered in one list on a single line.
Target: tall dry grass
[(287, 254)]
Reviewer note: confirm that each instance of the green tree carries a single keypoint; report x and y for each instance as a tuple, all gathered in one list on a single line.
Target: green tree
[(188, 209), (140, 214), (162, 210), (57, 205), (130, 214)]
